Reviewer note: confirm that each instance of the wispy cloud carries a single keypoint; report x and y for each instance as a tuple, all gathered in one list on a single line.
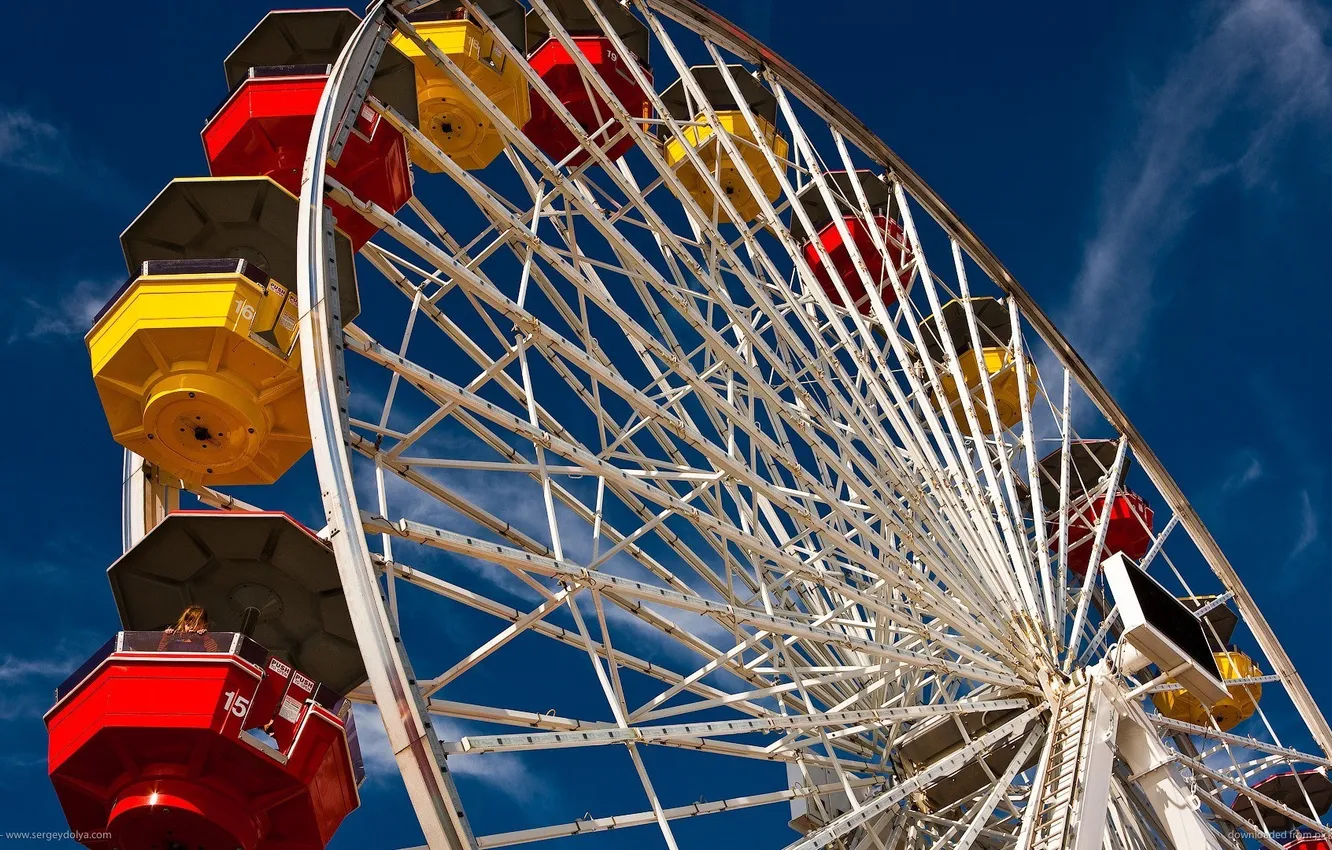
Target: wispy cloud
[(1303, 481), (376, 754), (13, 669), (38, 148), (504, 772), (26, 681), (1308, 533), (1260, 70), (30, 144), (1246, 470), (67, 313)]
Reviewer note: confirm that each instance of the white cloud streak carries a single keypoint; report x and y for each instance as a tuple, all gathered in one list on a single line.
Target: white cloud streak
[(1247, 470), (504, 772), (37, 148), (69, 313), (1309, 532), (1261, 71), (26, 681), (30, 144)]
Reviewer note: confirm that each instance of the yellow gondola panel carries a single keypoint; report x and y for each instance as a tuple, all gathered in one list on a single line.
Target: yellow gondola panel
[(1232, 710), (194, 374), (449, 116), (718, 162), (1001, 367)]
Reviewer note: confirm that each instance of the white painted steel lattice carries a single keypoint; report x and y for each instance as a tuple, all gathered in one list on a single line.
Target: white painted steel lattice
[(723, 552)]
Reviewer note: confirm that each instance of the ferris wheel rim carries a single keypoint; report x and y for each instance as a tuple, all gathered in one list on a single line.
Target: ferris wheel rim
[(416, 747), (325, 385)]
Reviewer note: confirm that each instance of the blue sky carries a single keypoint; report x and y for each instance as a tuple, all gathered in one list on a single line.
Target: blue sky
[(1155, 174)]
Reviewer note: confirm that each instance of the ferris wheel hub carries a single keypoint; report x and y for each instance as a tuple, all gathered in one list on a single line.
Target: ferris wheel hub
[(211, 425)]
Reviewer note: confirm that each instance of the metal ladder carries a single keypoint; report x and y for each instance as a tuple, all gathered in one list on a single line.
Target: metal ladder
[(1060, 782)]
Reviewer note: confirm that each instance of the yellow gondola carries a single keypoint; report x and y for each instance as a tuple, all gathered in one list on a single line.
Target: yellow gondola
[(1232, 710), (196, 359), (994, 358), (448, 115), (698, 134)]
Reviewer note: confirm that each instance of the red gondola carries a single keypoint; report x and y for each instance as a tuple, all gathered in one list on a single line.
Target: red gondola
[(1128, 530), (557, 69), (151, 743), (1129, 525), (883, 206), (263, 128)]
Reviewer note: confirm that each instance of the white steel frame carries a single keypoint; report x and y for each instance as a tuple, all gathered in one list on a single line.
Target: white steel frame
[(792, 482)]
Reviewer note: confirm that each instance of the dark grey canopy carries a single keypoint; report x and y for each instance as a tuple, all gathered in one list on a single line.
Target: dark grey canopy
[(230, 561), (710, 79), (574, 16), (1088, 462), (316, 37), (247, 218), (993, 324), (877, 195)]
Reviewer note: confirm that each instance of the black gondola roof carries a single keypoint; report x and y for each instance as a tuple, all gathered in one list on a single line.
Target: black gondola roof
[(992, 320), (316, 37), (574, 16), (710, 80), (877, 194), (1088, 462), (248, 218), (1222, 618)]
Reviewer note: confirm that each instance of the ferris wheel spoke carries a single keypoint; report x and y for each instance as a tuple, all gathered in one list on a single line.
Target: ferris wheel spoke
[(614, 693), (976, 346), (649, 669), (451, 393), (510, 632), (591, 737), (724, 614), (1209, 733), (601, 824), (1027, 439), (845, 824), (1089, 580)]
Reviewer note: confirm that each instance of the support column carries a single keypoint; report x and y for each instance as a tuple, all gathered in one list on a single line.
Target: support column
[(1159, 778), (146, 498)]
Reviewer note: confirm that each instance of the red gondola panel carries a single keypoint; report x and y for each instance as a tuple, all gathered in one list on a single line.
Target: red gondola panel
[(149, 747), (557, 68), (263, 130)]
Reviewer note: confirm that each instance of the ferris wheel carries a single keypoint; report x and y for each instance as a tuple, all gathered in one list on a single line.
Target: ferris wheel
[(675, 442)]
